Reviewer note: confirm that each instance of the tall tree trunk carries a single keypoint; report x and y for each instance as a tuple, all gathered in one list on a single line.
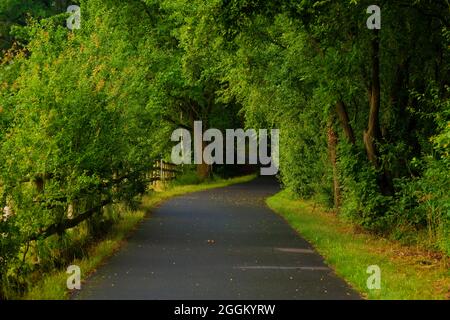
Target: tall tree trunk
[(341, 111), (203, 169), (372, 134), (332, 146)]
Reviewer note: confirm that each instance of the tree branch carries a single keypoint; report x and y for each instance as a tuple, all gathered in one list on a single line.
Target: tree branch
[(68, 223)]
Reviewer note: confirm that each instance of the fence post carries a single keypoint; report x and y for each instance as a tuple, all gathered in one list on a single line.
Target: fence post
[(161, 174)]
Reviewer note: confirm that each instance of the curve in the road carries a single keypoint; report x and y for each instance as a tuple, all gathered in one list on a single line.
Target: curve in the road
[(218, 244)]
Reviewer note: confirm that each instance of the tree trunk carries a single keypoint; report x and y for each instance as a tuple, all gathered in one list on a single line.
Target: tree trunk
[(341, 111), (332, 146), (372, 134), (203, 171)]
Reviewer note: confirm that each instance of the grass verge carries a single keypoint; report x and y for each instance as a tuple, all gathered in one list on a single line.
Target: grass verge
[(406, 272), (52, 286)]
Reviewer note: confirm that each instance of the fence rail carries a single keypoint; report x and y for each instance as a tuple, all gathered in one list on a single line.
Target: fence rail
[(163, 171)]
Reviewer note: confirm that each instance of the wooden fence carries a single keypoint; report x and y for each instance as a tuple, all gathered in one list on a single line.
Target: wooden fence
[(163, 171)]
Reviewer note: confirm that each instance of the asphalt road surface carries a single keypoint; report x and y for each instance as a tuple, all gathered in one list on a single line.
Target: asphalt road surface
[(218, 244)]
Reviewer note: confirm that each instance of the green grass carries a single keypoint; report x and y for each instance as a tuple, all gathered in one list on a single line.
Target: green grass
[(406, 272), (52, 286)]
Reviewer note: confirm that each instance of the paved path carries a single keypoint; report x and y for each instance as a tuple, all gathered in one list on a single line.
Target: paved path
[(217, 244)]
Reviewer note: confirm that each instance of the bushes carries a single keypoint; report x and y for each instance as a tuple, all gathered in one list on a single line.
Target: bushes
[(304, 169), (362, 201), (75, 135), (419, 209), (9, 246), (418, 212), (433, 195), (424, 200), (423, 206), (187, 177), (27, 262)]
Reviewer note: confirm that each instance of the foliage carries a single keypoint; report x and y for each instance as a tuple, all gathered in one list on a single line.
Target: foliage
[(293, 65), (84, 113)]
